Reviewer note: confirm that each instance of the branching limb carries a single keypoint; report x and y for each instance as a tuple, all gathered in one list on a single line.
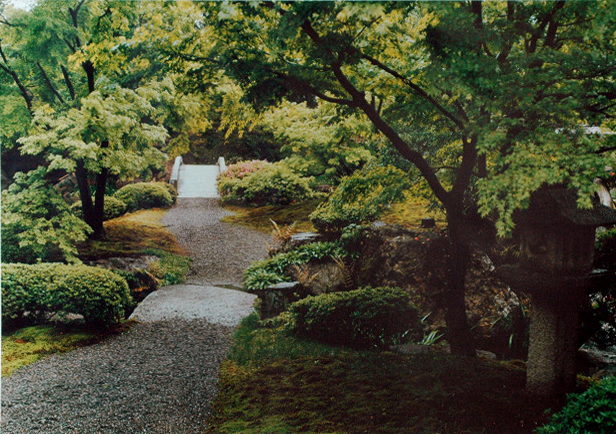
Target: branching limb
[(22, 89), (49, 83)]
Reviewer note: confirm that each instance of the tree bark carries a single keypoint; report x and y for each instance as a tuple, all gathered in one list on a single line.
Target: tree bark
[(459, 336), (99, 201)]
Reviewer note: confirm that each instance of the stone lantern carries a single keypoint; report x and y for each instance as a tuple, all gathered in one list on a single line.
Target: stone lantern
[(555, 269)]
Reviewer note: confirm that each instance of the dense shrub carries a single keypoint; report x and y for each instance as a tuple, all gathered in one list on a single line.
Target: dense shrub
[(144, 195), (114, 208), (360, 198), (593, 411), (361, 318), (100, 295), (263, 273), (37, 223), (260, 183)]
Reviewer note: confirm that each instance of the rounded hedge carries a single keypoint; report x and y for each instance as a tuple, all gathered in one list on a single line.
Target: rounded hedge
[(144, 195), (362, 318), (260, 183), (113, 206), (39, 290), (593, 411)]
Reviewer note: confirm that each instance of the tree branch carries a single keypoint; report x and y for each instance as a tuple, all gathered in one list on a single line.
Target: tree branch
[(69, 83), (547, 20), (22, 89), (303, 87), (49, 83)]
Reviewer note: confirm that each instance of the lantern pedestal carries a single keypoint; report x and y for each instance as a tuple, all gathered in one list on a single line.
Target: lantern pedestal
[(554, 326)]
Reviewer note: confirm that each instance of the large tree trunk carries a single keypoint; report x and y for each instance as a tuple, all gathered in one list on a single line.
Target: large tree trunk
[(93, 212), (459, 335)]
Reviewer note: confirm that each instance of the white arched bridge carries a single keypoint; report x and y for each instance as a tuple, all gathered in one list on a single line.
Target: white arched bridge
[(196, 180)]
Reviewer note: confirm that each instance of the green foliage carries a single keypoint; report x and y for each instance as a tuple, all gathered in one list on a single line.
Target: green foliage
[(171, 268), (145, 195), (101, 296), (360, 198), (364, 318), (259, 183), (269, 271), (593, 411), (37, 223), (114, 208)]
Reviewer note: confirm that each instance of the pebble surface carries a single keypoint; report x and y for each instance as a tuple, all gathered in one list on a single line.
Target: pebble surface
[(160, 376)]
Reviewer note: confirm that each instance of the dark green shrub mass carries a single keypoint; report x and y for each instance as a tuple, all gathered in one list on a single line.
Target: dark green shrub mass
[(593, 411), (144, 195), (363, 318), (114, 208), (100, 295)]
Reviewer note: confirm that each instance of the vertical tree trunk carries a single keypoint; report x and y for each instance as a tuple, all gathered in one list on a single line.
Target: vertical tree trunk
[(459, 335)]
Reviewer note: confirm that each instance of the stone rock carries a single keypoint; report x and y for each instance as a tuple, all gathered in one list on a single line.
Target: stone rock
[(125, 263), (275, 299), (319, 277)]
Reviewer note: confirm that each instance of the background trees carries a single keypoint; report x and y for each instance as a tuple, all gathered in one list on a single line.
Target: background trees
[(488, 101)]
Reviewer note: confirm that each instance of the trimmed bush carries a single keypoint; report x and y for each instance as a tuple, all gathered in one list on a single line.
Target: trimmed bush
[(360, 198), (260, 183), (144, 195), (114, 208), (593, 411), (100, 295), (363, 318)]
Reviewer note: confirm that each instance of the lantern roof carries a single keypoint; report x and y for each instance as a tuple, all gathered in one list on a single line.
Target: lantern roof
[(557, 204)]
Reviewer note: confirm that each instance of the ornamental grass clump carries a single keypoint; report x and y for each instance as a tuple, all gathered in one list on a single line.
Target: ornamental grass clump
[(363, 318), (270, 271), (33, 293)]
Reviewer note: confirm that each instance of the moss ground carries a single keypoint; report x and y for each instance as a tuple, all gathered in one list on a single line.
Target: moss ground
[(273, 383), (410, 212), (130, 235), (259, 218), (29, 344)]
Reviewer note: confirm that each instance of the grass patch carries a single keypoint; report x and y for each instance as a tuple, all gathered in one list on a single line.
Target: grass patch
[(171, 268), (131, 235), (259, 218), (273, 383), (410, 212), (27, 345)]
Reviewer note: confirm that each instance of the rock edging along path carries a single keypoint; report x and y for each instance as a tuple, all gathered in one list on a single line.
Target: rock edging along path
[(161, 375)]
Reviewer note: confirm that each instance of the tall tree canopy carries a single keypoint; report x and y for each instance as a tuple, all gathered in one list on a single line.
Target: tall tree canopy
[(488, 100), (89, 93)]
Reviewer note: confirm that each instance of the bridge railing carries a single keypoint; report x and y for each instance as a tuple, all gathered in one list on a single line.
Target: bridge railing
[(221, 164), (175, 172)]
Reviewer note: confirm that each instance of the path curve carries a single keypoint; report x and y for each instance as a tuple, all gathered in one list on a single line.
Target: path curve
[(161, 375)]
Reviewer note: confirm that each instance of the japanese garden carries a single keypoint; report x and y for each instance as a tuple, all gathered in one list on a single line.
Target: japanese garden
[(308, 217)]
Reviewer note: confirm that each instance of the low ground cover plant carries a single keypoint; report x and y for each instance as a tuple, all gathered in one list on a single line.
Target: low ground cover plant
[(274, 382), (34, 292), (362, 318), (263, 273), (145, 195), (593, 411)]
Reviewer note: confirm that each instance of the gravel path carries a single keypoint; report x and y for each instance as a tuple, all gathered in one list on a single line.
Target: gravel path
[(161, 375), (220, 251)]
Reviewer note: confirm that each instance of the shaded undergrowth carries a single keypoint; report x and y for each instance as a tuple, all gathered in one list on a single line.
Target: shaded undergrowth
[(274, 383)]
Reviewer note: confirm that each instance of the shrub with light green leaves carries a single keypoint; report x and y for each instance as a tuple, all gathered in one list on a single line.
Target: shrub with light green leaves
[(593, 411), (114, 208), (360, 198), (144, 195), (363, 318), (261, 183), (40, 290)]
